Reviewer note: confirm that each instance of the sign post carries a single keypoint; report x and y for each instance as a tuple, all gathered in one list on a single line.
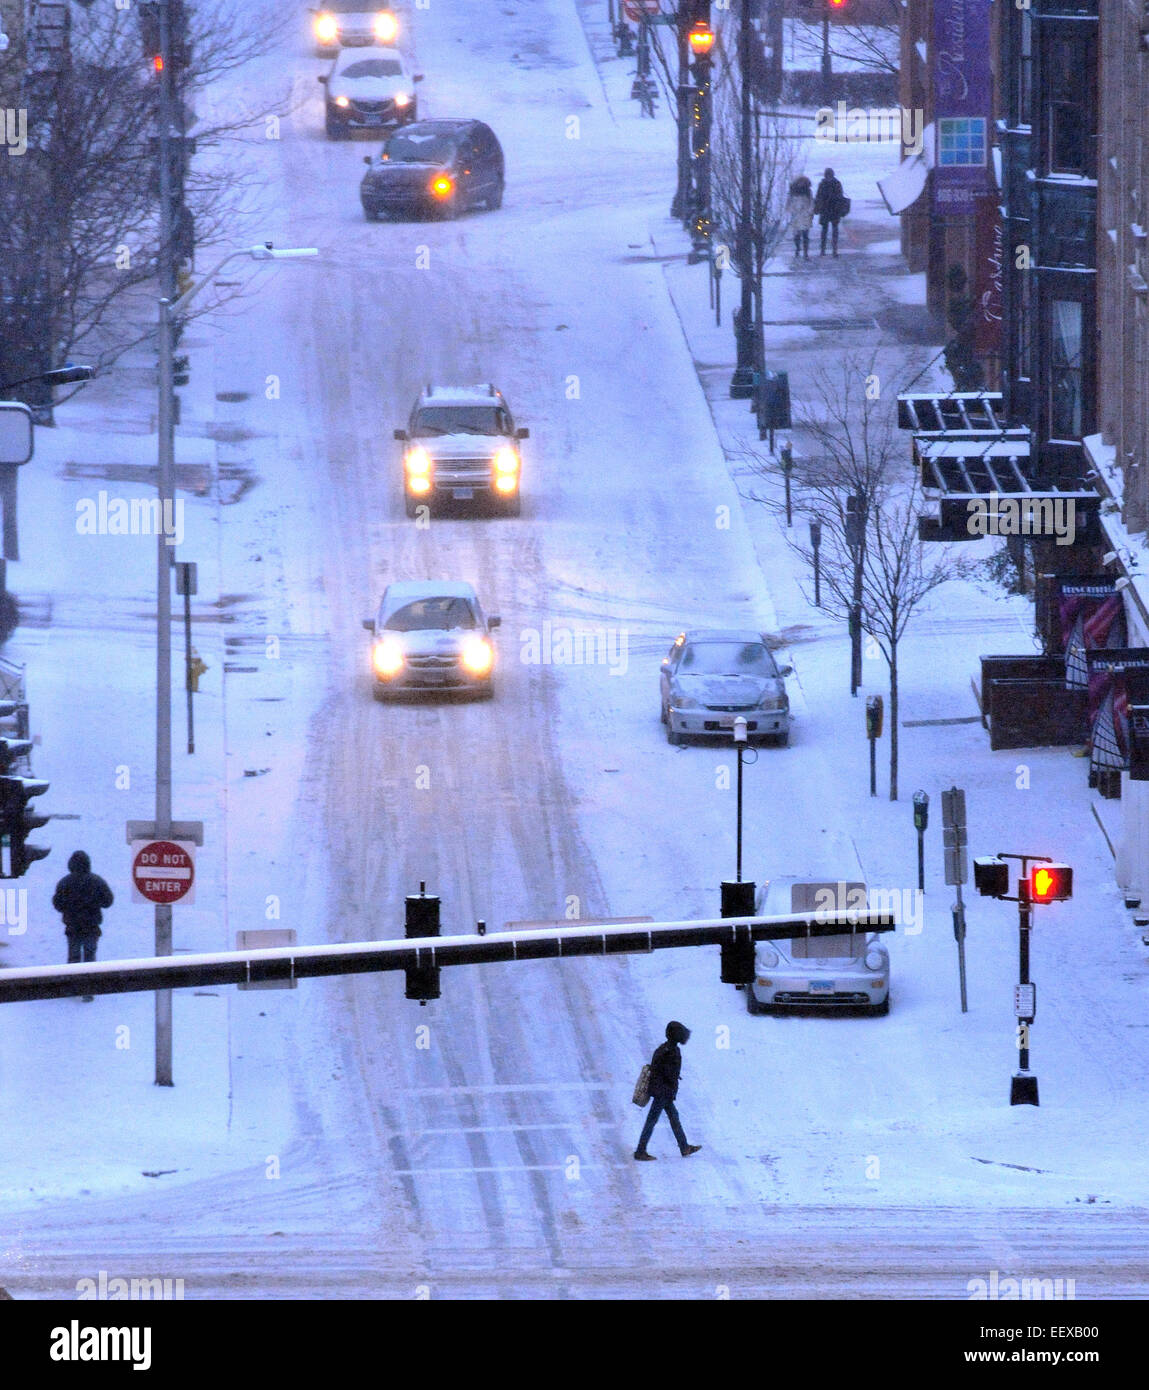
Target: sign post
[(957, 870)]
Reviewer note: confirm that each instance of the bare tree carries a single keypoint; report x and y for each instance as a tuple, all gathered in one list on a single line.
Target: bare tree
[(875, 570), (79, 225), (774, 162), (872, 47)]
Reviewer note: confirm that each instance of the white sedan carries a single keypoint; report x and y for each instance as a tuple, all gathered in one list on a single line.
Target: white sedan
[(851, 971), (369, 90)]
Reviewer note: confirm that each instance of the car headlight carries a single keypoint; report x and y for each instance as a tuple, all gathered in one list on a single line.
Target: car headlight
[(682, 701), (342, 101), (875, 958), (387, 658), (442, 186), (506, 461), (386, 27), (773, 702), (477, 655), (417, 463), (767, 959), (326, 28), (402, 99)]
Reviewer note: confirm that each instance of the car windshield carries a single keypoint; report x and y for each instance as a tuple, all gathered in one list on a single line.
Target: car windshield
[(727, 659), (349, 7), (432, 147), (462, 419), (445, 614), (373, 67)]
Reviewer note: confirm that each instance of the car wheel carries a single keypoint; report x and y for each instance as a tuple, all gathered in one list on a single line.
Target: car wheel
[(336, 130), (782, 740), (371, 214), (662, 714), (882, 1009), (752, 1004), (512, 506), (675, 740), (496, 199)]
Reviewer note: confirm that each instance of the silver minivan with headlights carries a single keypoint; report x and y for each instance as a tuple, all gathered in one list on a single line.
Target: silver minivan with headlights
[(851, 971)]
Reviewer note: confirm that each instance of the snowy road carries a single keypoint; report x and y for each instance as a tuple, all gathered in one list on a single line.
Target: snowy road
[(481, 1146)]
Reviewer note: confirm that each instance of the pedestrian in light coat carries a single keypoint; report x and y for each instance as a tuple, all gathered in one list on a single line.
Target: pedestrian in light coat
[(80, 898), (800, 215), (829, 207), (665, 1069)]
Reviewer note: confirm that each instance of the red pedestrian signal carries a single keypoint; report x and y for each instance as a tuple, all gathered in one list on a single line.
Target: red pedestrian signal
[(1050, 883)]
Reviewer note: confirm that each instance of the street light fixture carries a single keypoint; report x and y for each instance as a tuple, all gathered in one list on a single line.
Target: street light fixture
[(162, 829)]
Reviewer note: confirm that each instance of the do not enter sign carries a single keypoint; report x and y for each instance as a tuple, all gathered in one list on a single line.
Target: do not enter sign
[(163, 871)]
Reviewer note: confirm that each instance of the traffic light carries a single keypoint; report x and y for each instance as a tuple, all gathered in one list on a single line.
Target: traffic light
[(181, 367), (422, 920), (991, 876), (738, 955), (16, 820), (1050, 883), (149, 17)]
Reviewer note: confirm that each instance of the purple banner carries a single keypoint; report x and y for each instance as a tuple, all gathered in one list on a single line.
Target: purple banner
[(962, 104)]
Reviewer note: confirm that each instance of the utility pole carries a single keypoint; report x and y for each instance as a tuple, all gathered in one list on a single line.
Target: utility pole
[(680, 206), (827, 70), (742, 382), (164, 486)]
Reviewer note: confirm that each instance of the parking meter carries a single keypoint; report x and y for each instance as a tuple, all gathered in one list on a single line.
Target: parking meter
[(874, 710), (921, 810)]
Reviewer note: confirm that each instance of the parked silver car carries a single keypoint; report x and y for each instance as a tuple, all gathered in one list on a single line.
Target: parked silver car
[(851, 971), (710, 676), (431, 635)]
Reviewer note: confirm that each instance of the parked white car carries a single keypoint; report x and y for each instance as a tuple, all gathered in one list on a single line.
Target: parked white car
[(851, 971)]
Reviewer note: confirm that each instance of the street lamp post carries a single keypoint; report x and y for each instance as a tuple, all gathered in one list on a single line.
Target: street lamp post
[(740, 745), (827, 70), (742, 382), (168, 312)]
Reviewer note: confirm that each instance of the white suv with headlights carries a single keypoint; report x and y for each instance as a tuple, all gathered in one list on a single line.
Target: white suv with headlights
[(851, 971), (461, 445)]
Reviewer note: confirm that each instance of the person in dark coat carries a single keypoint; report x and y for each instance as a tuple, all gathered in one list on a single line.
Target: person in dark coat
[(665, 1069), (80, 898), (829, 207)]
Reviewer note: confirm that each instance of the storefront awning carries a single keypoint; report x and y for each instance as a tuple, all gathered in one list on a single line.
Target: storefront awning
[(905, 185)]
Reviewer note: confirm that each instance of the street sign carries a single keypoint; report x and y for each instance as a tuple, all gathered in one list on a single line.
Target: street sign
[(1025, 1002), (635, 9), (16, 442), (163, 871), (177, 830), (953, 808), (956, 864), (265, 939)]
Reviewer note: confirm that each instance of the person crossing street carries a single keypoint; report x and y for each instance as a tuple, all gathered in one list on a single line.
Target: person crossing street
[(665, 1070)]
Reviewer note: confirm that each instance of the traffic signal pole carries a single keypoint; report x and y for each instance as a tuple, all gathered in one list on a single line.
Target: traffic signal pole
[(430, 953), (1023, 1084)]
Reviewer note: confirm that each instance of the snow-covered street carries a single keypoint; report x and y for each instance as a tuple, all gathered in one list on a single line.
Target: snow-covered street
[(337, 1140)]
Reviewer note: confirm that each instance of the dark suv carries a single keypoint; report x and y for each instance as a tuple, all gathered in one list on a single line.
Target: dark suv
[(442, 166)]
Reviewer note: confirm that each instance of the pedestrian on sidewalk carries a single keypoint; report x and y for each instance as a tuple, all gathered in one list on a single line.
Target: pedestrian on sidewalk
[(800, 215), (665, 1069), (80, 898), (830, 206)]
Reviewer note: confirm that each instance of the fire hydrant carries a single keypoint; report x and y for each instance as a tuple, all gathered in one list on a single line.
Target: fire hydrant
[(196, 668)]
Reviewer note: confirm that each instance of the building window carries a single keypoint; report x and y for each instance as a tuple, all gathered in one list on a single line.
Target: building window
[(1066, 375), (1024, 69), (961, 142), (1068, 73)]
